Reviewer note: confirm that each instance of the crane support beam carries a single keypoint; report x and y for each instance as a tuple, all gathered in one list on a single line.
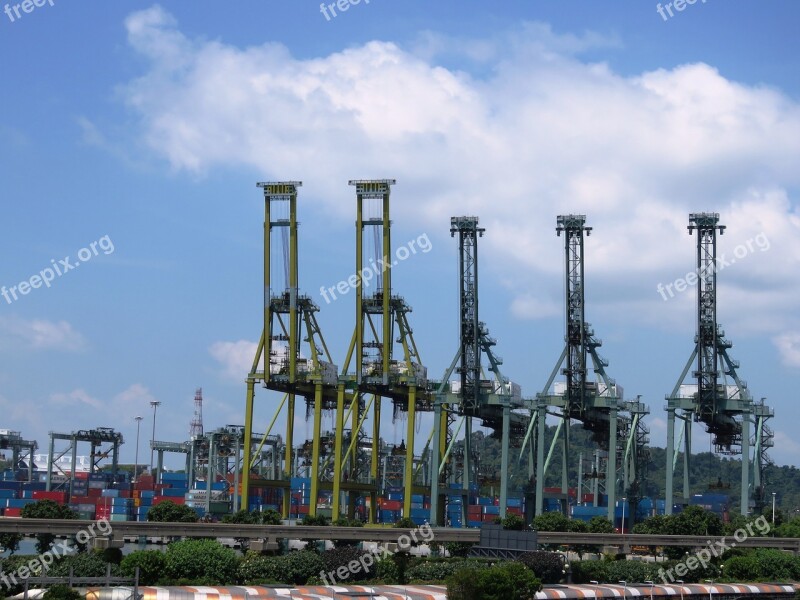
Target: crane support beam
[(714, 394)]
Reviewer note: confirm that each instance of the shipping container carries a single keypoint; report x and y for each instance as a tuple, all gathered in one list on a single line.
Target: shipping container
[(59, 497)]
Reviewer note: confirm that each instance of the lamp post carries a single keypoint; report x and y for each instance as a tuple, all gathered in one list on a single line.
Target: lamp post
[(651, 589), (155, 404), (773, 510), (623, 515), (624, 589), (681, 582), (136, 464)]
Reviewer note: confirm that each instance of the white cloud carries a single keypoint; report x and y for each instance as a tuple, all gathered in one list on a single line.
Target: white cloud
[(789, 347), (39, 334), (75, 398), (236, 358), (786, 449), (134, 396), (538, 132)]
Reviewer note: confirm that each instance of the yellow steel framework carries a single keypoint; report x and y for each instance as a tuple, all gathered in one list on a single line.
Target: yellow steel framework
[(377, 373), (278, 363)]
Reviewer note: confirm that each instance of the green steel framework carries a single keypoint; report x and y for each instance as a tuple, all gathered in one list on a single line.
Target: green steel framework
[(596, 404), (491, 400), (727, 411)]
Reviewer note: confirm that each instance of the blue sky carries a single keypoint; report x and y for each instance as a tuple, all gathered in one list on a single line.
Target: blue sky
[(150, 124)]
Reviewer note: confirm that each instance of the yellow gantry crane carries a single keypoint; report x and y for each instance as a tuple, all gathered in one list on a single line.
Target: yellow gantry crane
[(354, 396), (380, 317), (278, 363)]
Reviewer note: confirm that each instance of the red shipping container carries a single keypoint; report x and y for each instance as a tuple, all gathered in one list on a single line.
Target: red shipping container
[(81, 475), (60, 497), (94, 492), (588, 499), (12, 512), (514, 511), (392, 505), (301, 509), (159, 499)]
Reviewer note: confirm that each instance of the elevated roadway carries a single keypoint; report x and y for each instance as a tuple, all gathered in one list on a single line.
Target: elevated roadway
[(119, 530)]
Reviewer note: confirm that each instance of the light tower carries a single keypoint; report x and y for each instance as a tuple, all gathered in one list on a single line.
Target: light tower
[(196, 426), (155, 404), (717, 397)]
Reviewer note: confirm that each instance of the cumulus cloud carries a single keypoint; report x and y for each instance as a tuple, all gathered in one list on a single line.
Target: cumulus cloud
[(75, 398), (236, 358), (789, 348), (534, 132), (39, 334)]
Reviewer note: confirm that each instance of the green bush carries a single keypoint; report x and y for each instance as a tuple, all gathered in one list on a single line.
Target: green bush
[(316, 521), (405, 523), (343, 556), (551, 521), (151, 563), (507, 581), (169, 512), (13, 564), (612, 571), (763, 565), (547, 566), (430, 571), (201, 559), (46, 509), (112, 555), (10, 542), (461, 549), (271, 517), (598, 524), (61, 592), (386, 571), (513, 523), (295, 568), (83, 565), (346, 522)]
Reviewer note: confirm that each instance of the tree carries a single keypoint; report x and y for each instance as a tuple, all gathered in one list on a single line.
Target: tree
[(600, 524), (507, 581), (169, 512), (151, 565), (46, 509), (61, 592), (10, 542), (551, 521), (346, 522), (201, 561), (513, 523)]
